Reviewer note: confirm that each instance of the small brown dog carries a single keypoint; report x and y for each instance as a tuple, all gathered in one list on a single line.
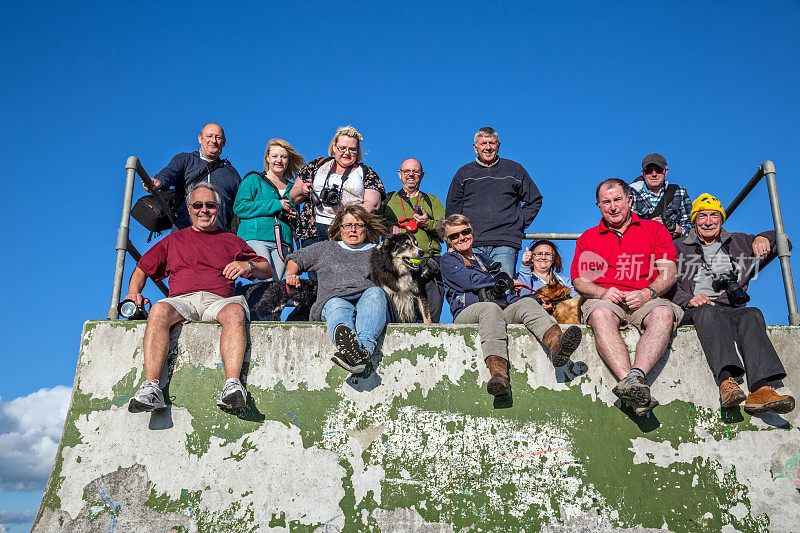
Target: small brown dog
[(565, 309)]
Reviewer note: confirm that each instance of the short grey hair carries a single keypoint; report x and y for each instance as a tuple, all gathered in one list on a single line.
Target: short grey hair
[(486, 131), (203, 185), (456, 219)]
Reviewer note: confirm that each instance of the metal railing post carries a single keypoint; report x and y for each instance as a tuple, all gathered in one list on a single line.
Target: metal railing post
[(782, 242), (122, 237)]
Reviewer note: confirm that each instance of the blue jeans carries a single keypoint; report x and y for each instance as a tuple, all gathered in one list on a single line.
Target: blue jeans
[(269, 250), (505, 254), (367, 315)]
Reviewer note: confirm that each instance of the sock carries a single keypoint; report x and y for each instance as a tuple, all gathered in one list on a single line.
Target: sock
[(757, 385), (636, 372), (725, 374)]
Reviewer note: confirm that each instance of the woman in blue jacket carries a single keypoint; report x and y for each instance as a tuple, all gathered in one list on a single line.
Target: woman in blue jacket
[(262, 204)]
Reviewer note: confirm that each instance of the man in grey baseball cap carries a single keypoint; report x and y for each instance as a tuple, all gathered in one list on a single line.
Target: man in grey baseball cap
[(656, 199)]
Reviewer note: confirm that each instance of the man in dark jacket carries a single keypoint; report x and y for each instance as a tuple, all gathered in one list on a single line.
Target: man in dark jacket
[(714, 270), (185, 169), (498, 196)]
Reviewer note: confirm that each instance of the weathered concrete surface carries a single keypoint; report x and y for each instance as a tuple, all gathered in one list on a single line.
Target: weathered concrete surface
[(415, 445)]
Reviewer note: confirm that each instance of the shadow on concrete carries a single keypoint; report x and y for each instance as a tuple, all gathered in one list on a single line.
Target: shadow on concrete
[(570, 371), (730, 415), (161, 419), (368, 380), (646, 423), (503, 402), (773, 419)]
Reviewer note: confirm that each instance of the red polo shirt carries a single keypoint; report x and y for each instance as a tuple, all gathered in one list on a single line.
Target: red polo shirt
[(625, 261)]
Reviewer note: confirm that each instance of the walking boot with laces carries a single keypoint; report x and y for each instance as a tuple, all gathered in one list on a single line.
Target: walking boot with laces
[(561, 345), (766, 400), (730, 394), (499, 384)]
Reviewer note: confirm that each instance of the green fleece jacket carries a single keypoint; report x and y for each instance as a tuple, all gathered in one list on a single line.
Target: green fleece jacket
[(392, 210), (257, 202)]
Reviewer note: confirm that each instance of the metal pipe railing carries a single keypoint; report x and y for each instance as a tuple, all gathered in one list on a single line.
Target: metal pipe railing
[(124, 245), (553, 236), (767, 170)]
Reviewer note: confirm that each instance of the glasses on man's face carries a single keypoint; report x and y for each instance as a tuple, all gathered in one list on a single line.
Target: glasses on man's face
[(542, 254), (653, 170), (344, 150), (455, 235), (353, 225), (209, 205), (406, 172)]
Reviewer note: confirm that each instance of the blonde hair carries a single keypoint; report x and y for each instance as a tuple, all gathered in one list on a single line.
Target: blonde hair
[(375, 228), (453, 220), (347, 131), (296, 161)]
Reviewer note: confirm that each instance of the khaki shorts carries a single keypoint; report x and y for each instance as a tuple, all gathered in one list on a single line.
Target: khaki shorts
[(628, 317), (203, 306)]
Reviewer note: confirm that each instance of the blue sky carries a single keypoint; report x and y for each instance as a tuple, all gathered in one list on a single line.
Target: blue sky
[(579, 92)]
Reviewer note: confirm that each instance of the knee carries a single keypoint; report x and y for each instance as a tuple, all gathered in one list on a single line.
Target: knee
[(753, 314), (603, 318), (232, 315), (660, 315), (374, 293), (161, 313), (490, 311), (706, 312)]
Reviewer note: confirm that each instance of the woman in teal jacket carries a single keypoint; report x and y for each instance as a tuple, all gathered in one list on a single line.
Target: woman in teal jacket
[(263, 206)]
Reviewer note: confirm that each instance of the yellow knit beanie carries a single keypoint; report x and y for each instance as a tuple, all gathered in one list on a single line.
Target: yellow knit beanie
[(706, 202)]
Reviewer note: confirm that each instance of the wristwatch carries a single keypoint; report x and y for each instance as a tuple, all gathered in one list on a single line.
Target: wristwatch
[(252, 266), (653, 293)]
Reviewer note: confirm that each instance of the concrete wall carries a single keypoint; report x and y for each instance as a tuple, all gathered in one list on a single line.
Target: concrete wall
[(415, 445)]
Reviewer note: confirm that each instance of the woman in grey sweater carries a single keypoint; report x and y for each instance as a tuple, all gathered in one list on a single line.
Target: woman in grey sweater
[(354, 308)]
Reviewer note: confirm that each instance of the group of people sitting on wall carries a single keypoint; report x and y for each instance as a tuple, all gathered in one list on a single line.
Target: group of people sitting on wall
[(656, 260)]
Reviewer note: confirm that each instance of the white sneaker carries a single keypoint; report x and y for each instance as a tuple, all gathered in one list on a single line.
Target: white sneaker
[(148, 398), (233, 395)]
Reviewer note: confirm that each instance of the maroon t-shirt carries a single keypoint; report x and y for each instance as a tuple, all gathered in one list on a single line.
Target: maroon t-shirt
[(193, 261)]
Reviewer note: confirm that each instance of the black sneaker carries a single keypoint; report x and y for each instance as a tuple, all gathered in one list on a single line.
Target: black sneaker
[(634, 390), (570, 340), (350, 355)]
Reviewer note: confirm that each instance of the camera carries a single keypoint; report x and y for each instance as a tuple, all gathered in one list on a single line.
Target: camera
[(669, 224), (129, 310), (329, 195), (735, 293), (502, 284)]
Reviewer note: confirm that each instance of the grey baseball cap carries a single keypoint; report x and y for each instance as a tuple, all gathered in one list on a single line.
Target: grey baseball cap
[(654, 159)]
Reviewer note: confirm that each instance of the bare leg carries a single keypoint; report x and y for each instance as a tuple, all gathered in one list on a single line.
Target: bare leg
[(156, 338), (657, 331), (233, 340), (610, 346)]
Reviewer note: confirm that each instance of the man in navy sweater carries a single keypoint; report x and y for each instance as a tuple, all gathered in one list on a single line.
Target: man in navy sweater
[(185, 168), (498, 196)]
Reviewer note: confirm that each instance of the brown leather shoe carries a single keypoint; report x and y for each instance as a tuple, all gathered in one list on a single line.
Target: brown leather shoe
[(730, 394), (498, 385), (766, 400), (561, 345)]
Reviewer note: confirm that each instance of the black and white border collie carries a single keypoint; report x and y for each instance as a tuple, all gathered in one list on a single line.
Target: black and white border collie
[(399, 268)]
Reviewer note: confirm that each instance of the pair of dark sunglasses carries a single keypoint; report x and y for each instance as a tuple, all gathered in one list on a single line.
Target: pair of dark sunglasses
[(456, 235), (209, 205)]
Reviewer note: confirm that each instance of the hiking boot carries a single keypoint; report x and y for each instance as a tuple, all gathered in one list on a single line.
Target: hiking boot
[(643, 410), (350, 355), (498, 384), (561, 345), (766, 400), (148, 398), (233, 397), (730, 394), (634, 390)]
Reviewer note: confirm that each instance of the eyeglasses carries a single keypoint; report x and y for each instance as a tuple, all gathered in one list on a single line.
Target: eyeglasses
[(650, 170), (346, 150), (406, 172), (542, 254), (353, 225), (465, 232), (209, 205)]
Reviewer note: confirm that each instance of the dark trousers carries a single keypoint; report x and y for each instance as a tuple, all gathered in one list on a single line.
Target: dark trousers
[(434, 289), (721, 328)]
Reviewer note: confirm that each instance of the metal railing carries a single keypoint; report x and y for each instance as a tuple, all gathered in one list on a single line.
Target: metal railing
[(124, 244)]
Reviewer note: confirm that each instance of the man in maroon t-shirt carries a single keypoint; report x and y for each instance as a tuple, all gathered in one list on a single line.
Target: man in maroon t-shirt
[(202, 263), (622, 267)]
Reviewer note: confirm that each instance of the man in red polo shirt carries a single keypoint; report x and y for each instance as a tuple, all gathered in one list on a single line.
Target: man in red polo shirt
[(202, 263), (622, 266)]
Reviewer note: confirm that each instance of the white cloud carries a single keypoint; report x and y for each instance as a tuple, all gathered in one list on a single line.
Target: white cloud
[(18, 517), (30, 429)]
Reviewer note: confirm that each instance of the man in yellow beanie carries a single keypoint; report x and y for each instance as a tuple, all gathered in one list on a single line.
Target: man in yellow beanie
[(714, 268)]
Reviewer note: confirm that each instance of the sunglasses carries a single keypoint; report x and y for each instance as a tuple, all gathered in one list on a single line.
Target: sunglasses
[(456, 235), (209, 205)]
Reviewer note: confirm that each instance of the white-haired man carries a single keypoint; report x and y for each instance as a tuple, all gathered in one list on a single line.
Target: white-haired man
[(202, 263), (498, 196)]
